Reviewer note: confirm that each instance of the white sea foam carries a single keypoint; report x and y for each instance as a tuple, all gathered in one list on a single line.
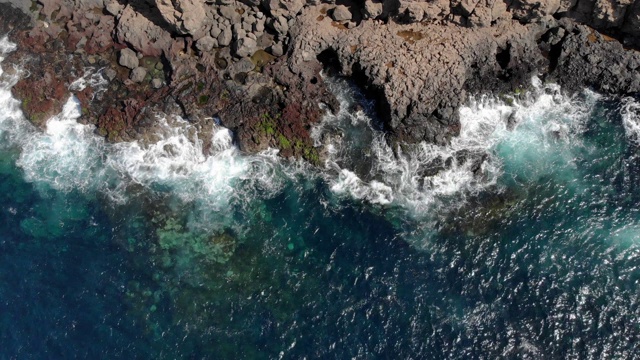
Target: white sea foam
[(423, 176), (179, 164), (361, 165), (64, 155), (11, 117), (6, 47), (630, 112), (68, 156), (92, 78)]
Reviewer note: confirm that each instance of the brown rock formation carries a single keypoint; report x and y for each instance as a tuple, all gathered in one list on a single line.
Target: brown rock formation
[(421, 73), (255, 65)]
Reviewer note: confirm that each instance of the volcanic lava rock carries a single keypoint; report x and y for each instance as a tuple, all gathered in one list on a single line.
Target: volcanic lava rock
[(420, 60), (206, 43), (186, 16)]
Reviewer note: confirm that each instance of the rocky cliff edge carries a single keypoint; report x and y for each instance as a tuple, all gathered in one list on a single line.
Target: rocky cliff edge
[(255, 65)]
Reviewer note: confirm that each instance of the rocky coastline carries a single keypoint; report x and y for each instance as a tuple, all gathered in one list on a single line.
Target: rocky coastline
[(255, 66)]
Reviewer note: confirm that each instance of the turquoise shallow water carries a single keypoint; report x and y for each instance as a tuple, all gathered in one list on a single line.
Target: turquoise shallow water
[(121, 252)]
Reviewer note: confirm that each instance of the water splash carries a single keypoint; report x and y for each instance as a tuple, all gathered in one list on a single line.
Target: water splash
[(630, 112), (425, 177), (92, 78), (528, 133), (65, 155), (537, 276), (69, 156)]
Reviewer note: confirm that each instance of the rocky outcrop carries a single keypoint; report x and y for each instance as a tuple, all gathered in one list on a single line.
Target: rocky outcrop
[(588, 58), (255, 65), (139, 29), (186, 16), (616, 17), (421, 73), (160, 64)]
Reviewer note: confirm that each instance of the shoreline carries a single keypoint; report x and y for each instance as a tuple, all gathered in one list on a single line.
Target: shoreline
[(226, 256), (255, 67)]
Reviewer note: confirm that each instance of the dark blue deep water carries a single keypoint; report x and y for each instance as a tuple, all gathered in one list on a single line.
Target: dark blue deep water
[(116, 252)]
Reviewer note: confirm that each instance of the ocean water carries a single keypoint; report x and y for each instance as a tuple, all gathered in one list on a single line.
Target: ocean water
[(520, 239)]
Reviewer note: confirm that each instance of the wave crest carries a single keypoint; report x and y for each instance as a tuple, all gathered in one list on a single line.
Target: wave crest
[(423, 177), (630, 112)]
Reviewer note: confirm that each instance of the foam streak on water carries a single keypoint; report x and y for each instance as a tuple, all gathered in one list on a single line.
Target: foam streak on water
[(423, 178)]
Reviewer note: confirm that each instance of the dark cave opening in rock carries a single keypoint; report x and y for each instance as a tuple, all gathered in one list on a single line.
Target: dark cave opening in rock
[(503, 56), (330, 62), (333, 67)]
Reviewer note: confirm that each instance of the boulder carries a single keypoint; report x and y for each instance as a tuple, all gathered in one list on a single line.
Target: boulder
[(215, 31), (238, 31), (141, 33), (258, 27), (138, 74), (414, 12), (342, 13), (499, 11), (225, 37), (373, 9), (277, 50), (186, 16), (156, 83), (286, 8), (113, 7), (244, 47), (280, 25), (128, 58), (230, 13), (206, 44)]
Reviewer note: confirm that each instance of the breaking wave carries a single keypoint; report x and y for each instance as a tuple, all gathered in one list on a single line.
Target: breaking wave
[(549, 272), (630, 112), (68, 156), (526, 129), (425, 176)]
